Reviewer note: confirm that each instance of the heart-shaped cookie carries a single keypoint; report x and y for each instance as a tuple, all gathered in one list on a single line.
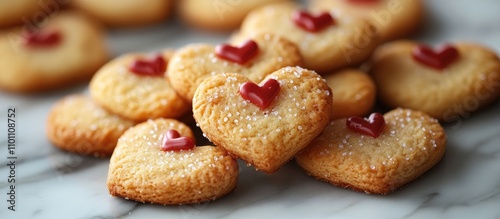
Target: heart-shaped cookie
[(326, 42), (260, 96), (410, 144), (141, 170), (193, 63), (266, 137), (466, 84)]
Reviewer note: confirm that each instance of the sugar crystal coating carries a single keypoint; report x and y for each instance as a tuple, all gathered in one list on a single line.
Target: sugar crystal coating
[(410, 144)]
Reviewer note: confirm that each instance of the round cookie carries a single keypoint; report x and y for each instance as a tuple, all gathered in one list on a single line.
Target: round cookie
[(130, 13), (218, 15), (192, 63), (394, 19), (77, 124), (409, 143), (446, 83), (333, 42), (135, 95), (143, 169), (24, 11), (69, 48), (266, 124), (354, 93)]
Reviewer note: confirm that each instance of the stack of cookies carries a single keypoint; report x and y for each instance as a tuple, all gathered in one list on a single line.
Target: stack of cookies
[(292, 82)]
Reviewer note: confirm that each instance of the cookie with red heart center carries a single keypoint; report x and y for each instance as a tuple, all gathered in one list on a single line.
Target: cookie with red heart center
[(447, 81), (377, 154), (134, 86), (255, 58), (157, 162), (53, 56), (311, 22), (326, 41), (219, 15), (151, 66), (264, 124)]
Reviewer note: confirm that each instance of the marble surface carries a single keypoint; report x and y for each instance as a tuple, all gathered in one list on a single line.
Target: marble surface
[(465, 184)]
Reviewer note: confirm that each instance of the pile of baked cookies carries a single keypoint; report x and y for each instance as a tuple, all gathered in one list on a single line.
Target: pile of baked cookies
[(292, 82)]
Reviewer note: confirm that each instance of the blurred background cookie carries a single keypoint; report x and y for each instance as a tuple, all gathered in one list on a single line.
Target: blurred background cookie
[(217, 15), (256, 57), (66, 49), (129, 13), (406, 144), (394, 19), (14, 12)]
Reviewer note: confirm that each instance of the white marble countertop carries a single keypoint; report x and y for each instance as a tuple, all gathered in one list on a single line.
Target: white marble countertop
[(465, 184)]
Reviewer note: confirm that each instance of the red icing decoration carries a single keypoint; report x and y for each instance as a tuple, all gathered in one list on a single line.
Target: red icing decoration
[(172, 141), (439, 58), (155, 66), (312, 23), (240, 55), (261, 96), (372, 126), (42, 38)]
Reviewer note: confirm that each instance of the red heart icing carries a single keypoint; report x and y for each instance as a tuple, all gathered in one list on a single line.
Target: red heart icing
[(42, 38), (155, 66), (312, 23), (372, 126), (261, 96), (439, 58), (240, 55), (172, 141)]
